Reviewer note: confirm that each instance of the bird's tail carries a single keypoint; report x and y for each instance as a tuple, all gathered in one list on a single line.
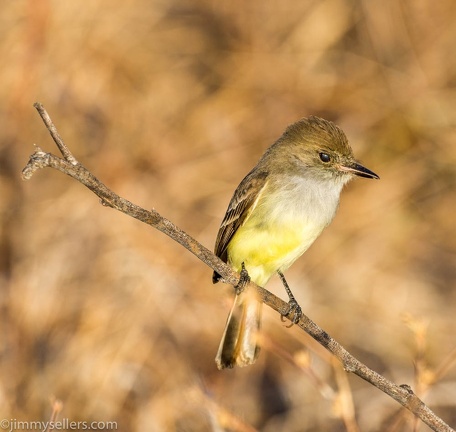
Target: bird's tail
[(239, 345)]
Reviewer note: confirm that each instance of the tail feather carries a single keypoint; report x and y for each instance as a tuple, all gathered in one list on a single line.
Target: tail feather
[(239, 345)]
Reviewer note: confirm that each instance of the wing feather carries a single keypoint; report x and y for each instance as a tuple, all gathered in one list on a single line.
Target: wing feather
[(240, 207)]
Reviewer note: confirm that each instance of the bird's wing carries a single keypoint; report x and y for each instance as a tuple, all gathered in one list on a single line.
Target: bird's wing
[(242, 203)]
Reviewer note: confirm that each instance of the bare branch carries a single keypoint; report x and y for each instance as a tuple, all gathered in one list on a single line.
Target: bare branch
[(70, 166)]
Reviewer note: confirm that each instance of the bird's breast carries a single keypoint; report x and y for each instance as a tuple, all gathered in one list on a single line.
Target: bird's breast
[(282, 226)]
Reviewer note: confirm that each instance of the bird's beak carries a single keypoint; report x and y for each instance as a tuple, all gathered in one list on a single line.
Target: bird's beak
[(359, 170)]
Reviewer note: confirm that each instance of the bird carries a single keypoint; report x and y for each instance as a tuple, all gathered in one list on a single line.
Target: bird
[(275, 214)]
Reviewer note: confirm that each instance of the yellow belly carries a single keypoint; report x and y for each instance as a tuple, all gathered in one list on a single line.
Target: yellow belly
[(265, 249)]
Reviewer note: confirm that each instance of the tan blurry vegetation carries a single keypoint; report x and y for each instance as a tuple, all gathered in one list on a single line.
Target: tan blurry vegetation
[(170, 104)]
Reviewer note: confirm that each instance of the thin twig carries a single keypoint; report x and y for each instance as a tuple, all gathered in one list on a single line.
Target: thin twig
[(57, 406), (55, 134), (70, 166)]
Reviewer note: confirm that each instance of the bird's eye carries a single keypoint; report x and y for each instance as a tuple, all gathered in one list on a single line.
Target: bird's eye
[(324, 157)]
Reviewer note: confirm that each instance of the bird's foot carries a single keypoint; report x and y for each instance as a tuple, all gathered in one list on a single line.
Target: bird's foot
[(293, 309), (243, 280)]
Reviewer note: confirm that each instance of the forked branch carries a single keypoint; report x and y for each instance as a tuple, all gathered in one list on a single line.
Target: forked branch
[(70, 166)]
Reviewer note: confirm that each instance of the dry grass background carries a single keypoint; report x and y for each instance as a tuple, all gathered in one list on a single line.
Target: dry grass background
[(170, 104)]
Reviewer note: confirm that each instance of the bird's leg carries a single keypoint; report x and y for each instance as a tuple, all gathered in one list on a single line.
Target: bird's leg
[(293, 305), (243, 280)]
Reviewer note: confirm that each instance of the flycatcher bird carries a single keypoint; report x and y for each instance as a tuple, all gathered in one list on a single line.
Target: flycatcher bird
[(275, 214)]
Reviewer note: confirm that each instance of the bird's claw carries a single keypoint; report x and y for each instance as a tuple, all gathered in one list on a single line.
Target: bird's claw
[(294, 309), (243, 280)]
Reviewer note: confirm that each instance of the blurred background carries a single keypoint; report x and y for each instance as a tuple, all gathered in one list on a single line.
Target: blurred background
[(170, 104)]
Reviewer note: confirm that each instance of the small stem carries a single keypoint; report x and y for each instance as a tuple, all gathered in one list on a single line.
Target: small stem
[(55, 134)]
